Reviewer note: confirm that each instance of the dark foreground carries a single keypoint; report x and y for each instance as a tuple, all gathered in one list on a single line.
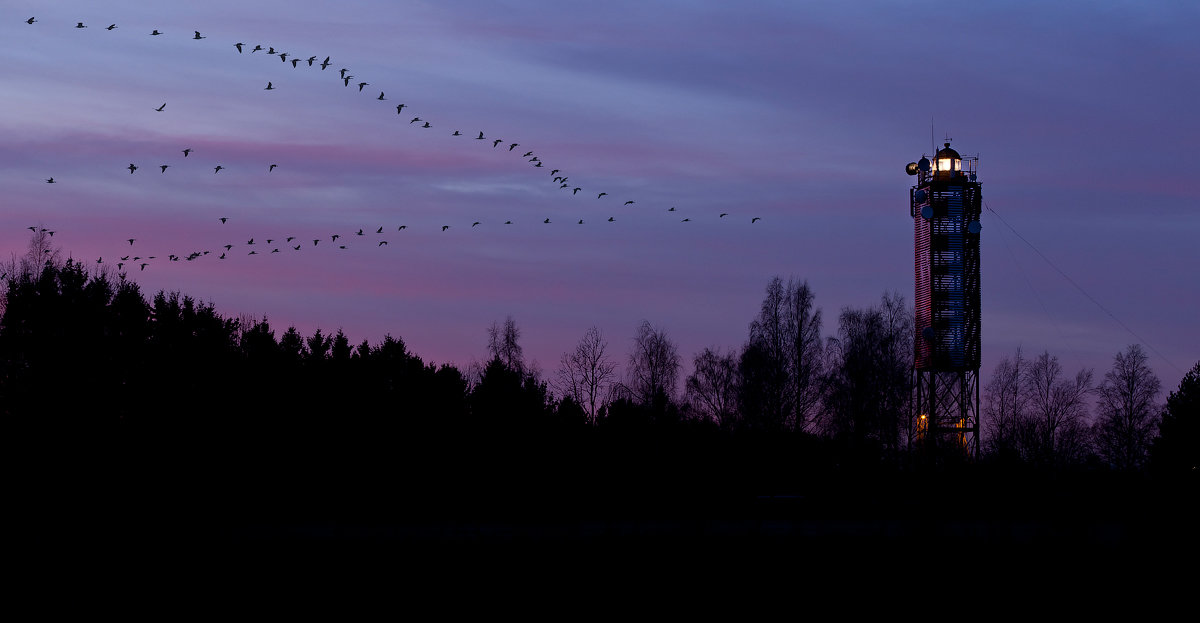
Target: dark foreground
[(506, 509)]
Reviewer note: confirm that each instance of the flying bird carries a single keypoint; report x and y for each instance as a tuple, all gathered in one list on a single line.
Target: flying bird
[(155, 33), (30, 20), (414, 120), (399, 107), (380, 230), (480, 137), (198, 37), (223, 219), (283, 57), (217, 169), (295, 62), (160, 108), (381, 243), (445, 227), (581, 221), (576, 190), (496, 142), (111, 26), (601, 195), (510, 147), (346, 80), (342, 71), (361, 85), (80, 25), (755, 219), (325, 63), (475, 223), (426, 125), (239, 47), (271, 168), (508, 222), (527, 154), (311, 60), (132, 167), (163, 167), (671, 209), (51, 181), (131, 241), (256, 48), (187, 151), (685, 220), (380, 98), (629, 202), (270, 49), (611, 219), (269, 87), (546, 221), (144, 265), (456, 133), (723, 215)]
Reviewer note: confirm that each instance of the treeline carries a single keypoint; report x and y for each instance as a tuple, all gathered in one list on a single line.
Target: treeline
[(86, 349)]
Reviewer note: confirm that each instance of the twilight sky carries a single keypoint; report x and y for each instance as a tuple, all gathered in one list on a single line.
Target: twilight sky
[(802, 114)]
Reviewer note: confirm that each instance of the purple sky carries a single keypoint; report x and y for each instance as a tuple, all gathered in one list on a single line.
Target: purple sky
[(1083, 115)]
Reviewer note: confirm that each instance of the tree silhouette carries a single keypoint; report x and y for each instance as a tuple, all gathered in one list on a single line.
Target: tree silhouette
[(1126, 411), (1004, 408), (1176, 450), (712, 387), (586, 374), (782, 362), (1058, 410), (653, 366), (869, 377)]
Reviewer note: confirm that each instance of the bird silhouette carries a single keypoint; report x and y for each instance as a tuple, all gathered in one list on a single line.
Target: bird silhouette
[(223, 219), (510, 147), (480, 137), (269, 87), (270, 49), (381, 97), (546, 221), (160, 108), (426, 125), (256, 48), (131, 241), (297, 247), (187, 151), (250, 241), (475, 223), (402, 228), (111, 27), (576, 190), (671, 209), (310, 60), (334, 237), (380, 230), (315, 241), (198, 36), (755, 219), (325, 63), (360, 232), (80, 25), (381, 243), (508, 222), (271, 168), (581, 221), (723, 215), (399, 107), (346, 80), (456, 133), (217, 169), (163, 167), (144, 265), (686, 220), (601, 195), (414, 120), (361, 85), (527, 154), (496, 142), (445, 227), (51, 181), (283, 57), (555, 174), (155, 33), (295, 62), (30, 20), (629, 202), (239, 47), (611, 219), (342, 72), (132, 167)]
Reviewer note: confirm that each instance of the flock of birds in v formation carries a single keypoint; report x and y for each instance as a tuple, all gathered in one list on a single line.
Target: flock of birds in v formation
[(292, 242)]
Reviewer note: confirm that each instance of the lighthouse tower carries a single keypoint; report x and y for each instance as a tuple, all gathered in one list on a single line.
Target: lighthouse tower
[(945, 208)]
